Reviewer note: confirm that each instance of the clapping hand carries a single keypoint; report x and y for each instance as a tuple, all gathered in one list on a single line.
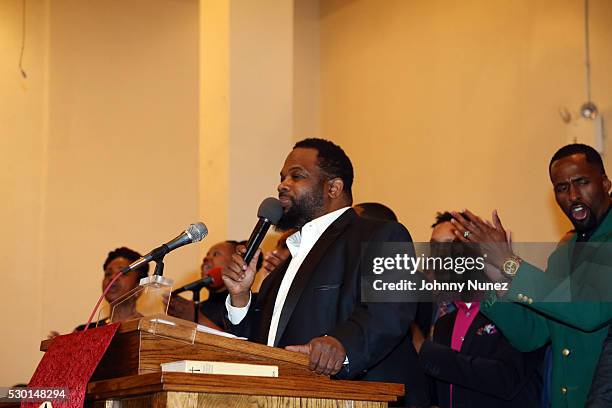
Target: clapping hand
[(492, 238)]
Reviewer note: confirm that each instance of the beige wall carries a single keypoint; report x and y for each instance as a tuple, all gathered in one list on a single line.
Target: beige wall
[(102, 146), (112, 146), (138, 118), (214, 116), (23, 158), (306, 69), (454, 104), (261, 120), (246, 109), (122, 131)]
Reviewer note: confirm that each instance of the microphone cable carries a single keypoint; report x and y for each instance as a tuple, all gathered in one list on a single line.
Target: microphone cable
[(93, 312)]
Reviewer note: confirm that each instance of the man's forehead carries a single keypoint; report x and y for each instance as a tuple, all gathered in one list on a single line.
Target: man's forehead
[(301, 157), (572, 166), (443, 231), (220, 246)]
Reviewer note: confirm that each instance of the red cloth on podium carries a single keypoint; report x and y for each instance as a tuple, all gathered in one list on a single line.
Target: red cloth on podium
[(69, 363)]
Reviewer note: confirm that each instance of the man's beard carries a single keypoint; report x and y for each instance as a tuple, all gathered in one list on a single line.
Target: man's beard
[(587, 224), (301, 212)]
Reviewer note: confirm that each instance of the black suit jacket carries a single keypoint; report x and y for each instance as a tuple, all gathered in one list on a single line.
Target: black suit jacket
[(214, 307), (601, 388), (325, 299), (487, 372)]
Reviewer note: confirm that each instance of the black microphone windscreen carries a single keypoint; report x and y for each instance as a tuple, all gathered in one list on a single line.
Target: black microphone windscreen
[(270, 209)]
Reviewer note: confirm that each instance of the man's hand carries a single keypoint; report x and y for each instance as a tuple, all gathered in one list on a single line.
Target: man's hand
[(492, 238), (326, 353), (272, 260), (238, 277), (180, 307)]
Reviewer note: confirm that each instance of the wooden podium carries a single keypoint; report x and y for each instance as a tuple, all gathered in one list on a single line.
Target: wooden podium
[(129, 375)]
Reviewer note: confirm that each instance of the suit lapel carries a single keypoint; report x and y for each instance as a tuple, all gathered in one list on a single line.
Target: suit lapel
[(308, 267)]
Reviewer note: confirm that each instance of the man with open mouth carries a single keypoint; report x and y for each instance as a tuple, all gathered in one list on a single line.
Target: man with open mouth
[(569, 305)]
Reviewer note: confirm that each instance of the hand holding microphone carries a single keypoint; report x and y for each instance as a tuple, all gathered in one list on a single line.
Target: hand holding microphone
[(239, 275)]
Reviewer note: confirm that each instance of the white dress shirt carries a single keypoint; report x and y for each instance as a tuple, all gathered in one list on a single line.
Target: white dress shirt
[(299, 245)]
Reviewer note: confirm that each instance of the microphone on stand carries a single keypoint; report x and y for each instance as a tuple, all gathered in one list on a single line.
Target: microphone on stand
[(213, 281), (194, 233)]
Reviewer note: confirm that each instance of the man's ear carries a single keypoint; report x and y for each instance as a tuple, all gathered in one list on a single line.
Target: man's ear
[(335, 187), (607, 184)]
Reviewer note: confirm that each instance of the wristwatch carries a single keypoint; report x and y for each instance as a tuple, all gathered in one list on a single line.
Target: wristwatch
[(511, 266)]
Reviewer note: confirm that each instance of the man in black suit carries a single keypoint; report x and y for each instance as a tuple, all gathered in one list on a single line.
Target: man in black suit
[(486, 372), (312, 302), (600, 395), (601, 389), (471, 362)]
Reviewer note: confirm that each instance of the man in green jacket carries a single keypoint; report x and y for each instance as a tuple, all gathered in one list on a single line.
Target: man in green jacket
[(570, 304)]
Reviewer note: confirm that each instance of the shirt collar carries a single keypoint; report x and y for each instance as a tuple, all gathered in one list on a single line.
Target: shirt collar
[(464, 307), (316, 227)]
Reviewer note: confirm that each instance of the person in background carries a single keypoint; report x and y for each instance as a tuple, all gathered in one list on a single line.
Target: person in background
[(375, 211), (378, 211), (600, 395), (212, 310), (472, 363), (115, 262), (601, 390), (272, 259)]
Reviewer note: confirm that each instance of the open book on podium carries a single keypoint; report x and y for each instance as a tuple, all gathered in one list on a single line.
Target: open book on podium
[(131, 369)]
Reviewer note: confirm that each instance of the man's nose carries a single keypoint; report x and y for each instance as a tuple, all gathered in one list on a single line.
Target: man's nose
[(282, 187), (574, 193)]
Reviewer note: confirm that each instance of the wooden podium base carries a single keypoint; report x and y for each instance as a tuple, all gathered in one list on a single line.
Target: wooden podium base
[(129, 375), (166, 390), (196, 400)]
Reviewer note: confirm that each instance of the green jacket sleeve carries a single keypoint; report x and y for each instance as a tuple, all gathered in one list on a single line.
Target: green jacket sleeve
[(550, 295), (524, 328)]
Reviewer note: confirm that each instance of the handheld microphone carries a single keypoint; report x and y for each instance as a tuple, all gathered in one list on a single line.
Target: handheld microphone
[(213, 280), (269, 212), (194, 233)]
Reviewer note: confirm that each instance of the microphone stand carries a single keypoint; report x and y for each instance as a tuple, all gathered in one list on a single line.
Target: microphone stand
[(194, 288), (159, 266), (196, 304), (159, 270)]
